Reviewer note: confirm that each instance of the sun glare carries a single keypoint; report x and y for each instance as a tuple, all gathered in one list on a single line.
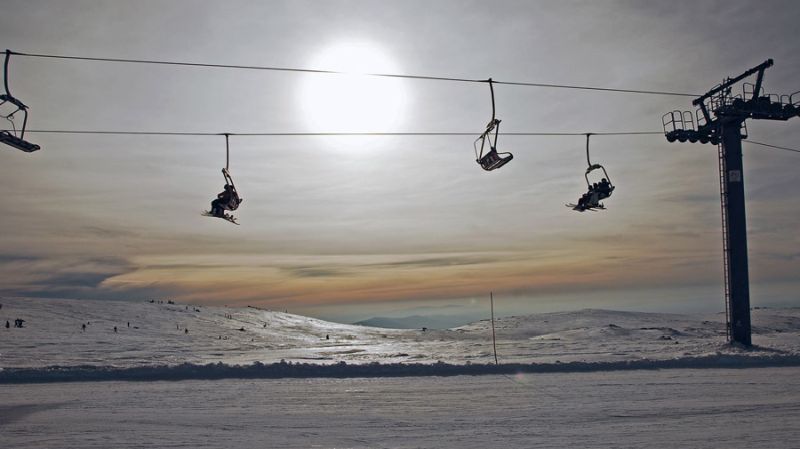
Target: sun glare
[(352, 102)]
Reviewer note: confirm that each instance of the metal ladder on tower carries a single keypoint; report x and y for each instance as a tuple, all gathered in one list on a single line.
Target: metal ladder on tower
[(723, 193)]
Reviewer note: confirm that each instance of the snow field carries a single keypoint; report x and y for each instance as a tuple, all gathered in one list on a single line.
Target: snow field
[(710, 408)]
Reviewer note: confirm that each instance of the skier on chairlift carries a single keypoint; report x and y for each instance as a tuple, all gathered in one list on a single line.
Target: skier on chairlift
[(604, 188), (224, 200), (590, 199)]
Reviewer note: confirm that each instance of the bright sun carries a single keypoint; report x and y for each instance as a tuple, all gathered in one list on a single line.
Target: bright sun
[(352, 102)]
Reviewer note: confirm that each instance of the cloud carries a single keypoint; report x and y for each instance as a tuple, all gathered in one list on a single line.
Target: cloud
[(315, 272), (72, 277), (15, 258), (437, 262), (77, 280), (107, 232)]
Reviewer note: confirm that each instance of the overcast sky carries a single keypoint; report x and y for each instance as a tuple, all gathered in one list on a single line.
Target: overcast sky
[(348, 227)]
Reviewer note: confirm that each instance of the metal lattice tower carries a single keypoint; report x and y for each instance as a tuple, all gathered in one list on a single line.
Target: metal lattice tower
[(720, 118)]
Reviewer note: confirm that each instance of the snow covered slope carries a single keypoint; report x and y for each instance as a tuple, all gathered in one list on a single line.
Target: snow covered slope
[(171, 334), (709, 409)]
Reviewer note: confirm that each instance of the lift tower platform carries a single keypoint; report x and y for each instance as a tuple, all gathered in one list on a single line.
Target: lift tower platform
[(720, 118)]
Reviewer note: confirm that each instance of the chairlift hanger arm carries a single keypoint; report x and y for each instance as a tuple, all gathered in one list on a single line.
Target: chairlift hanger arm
[(496, 132), (8, 97), (587, 150), (759, 68), (493, 125), (588, 161), (227, 151), (228, 178), (5, 72), (24, 123), (491, 90)]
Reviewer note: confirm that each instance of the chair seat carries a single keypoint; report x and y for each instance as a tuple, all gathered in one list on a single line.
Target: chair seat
[(14, 141), (492, 160)]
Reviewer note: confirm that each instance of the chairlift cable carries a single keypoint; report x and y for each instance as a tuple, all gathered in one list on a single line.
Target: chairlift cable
[(337, 72), (601, 89), (333, 134), (772, 146), (363, 134)]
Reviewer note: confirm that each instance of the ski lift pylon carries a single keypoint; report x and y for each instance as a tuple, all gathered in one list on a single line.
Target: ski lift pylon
[(491, 159), (14, 137)]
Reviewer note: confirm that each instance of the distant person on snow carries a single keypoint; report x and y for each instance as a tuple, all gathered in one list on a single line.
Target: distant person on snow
[(8, 324), (115, 329), (83, 327)]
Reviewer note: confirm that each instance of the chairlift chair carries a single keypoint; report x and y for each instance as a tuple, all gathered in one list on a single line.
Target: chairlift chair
[(490, 160), (235, 200), (233, 204), (596, 195), (589, 184), (14, 137)]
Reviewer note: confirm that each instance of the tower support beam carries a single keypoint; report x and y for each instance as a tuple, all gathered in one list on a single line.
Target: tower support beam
[(737, 276)]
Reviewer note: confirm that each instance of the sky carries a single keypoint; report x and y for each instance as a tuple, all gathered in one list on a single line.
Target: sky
[(344, 227)]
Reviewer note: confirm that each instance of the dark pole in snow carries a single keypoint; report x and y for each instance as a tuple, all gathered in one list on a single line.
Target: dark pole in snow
[(494, 344)]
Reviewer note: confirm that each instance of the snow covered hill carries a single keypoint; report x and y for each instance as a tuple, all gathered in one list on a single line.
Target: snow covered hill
[(414, 322), (150, 334)]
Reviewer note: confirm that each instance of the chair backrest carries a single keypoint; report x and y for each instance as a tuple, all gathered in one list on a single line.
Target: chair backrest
[(233, 204), (607, 192), (234, 201)]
